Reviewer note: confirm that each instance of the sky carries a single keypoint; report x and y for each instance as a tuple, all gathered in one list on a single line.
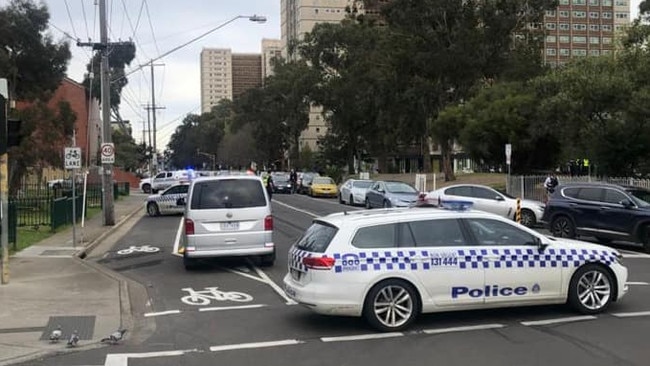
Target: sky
[(163, 25), (156, 27)]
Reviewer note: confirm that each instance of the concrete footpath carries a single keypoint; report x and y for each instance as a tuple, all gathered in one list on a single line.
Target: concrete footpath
[(50, 284)]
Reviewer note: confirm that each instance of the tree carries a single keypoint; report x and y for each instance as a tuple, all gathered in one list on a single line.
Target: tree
[(128, 155), (31, 60)]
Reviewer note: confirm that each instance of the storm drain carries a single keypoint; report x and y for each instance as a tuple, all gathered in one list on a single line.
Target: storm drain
[(84, 325)]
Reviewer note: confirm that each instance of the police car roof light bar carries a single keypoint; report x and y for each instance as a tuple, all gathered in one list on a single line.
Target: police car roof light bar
[(456, 205)]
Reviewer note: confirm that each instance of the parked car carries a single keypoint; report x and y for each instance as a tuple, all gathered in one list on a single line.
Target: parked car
[(353, 191), (389, 266), (145, 185), (167, 202), (304, 181), (227, 216), (488, 199), (391, 194), (164, 180), (323, 187), (604, 211), (281, 183)]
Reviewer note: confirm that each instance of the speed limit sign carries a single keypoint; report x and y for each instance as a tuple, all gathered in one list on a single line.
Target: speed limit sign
[(108, 153)]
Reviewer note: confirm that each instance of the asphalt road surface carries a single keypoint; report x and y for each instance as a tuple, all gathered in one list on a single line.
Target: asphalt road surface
[(232, 312)]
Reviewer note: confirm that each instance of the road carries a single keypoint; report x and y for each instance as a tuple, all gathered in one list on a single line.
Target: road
[(239, 315)]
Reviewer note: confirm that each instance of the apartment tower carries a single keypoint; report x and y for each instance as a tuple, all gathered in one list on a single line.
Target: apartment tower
[(271, 48), (216, 77), (246, 72)]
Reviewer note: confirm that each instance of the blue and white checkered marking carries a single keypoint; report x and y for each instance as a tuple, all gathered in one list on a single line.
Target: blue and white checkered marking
[(380, 260)]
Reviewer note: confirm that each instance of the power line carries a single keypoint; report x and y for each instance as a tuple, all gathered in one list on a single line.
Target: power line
[(67, 8), (83, 9), (153, 34)]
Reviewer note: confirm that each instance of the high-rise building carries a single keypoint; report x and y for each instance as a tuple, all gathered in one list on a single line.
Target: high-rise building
[(298, 17), (271, 48), (579, 28), (246, 72), (216, 77)]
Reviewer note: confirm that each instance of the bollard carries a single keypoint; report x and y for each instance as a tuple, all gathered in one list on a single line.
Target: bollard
[(518, 211)]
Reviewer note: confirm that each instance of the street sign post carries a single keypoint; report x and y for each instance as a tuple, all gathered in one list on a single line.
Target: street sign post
[(508, 156), (108, 153), (72, 162)]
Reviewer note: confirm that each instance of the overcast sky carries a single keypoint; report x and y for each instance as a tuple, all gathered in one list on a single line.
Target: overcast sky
[(162, 26), (157, 27)]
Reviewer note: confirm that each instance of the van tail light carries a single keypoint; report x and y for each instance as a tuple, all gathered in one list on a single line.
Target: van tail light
[(189, 227), (268, 223), (325, 263)]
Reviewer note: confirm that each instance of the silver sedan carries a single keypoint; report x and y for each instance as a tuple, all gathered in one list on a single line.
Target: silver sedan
[(166, 202), (353, 191)]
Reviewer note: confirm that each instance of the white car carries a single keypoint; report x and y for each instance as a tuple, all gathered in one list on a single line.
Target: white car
[(164, 180), (167, 201), (488, 199), (145, 185), (353, 191), (391, 265)]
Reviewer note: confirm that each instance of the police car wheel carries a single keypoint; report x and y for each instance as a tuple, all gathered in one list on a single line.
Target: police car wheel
[(152, 209), (591, 289), (146, 188), (368, 204), (563, 227), (351, 202), (391, 305), (645, 237)]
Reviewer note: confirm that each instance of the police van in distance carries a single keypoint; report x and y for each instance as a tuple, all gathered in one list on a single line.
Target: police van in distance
[(390, 265)]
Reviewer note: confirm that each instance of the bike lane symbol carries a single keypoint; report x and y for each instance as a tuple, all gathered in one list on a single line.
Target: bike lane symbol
[(143, 249), (209, 294)]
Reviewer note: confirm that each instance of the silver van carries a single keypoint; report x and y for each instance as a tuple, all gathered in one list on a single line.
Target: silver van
[(227, 216)]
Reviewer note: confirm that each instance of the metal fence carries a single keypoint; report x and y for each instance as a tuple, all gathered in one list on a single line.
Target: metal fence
[(532, 186)]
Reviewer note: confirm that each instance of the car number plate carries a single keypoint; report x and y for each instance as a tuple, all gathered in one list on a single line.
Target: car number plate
[(229, 226), (295, 274)]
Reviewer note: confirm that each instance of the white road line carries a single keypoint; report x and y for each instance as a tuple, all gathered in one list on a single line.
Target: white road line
[(230, 347), (362, 337), (168, 312), (628, 315), (637, 283), (243, 274), (559, 320), (463, 329), (296, 209), (232, 307), (273, 285), (177, 241), (122, 359)]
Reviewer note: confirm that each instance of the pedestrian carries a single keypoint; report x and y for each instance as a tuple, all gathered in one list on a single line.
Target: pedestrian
[(268, 183), (550, 183), (293, 178)]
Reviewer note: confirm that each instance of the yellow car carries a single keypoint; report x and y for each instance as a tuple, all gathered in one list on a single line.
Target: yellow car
[(323, 186)]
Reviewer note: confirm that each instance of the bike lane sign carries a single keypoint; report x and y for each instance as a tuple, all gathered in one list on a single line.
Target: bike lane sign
[(72, 157), (209, 294)]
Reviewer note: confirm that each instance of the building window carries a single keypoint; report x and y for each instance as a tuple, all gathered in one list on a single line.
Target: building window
[(605, 52), (550, 26), (550, 51), (593, 2), (564, 52), (579, 14), (551, 39), (550, 13), (580, 39), (606, 15), (594, 40), (606, 2), (564, 13), (621, 2), (594, 27), (617, 27), (621, 15), (565, 39), (579, 27), (594, 52), (563, 26), (579, 52), (606, 27), (564, 2), (607, 40), (579, 2), (594, 15)]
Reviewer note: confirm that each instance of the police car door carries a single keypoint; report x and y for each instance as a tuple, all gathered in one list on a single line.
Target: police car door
[(445, 263), (516, 269)]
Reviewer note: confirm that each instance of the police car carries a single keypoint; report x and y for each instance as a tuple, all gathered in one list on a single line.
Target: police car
[(166, 202), (391, 265)]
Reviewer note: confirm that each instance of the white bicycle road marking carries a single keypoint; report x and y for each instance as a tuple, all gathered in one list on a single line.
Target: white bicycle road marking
[(208, 294), (143, 249)]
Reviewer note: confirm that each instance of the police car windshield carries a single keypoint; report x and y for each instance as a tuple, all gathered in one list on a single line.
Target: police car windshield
[(317, 238), (641, 197)]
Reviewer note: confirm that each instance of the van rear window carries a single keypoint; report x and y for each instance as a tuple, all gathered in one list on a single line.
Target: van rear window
[(317, 237), (228, 193)]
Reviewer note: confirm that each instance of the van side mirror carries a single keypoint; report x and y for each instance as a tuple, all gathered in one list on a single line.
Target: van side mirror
[(626, 203), (180, 202)]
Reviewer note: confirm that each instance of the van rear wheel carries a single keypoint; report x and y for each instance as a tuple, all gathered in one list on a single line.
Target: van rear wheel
[(267, 260), (190, 264)]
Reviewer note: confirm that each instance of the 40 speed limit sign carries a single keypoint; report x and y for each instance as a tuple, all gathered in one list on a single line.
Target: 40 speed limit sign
[(108, 153)]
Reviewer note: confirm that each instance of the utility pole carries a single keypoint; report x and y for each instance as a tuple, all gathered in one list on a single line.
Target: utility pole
[(153, 108), (4, 182)]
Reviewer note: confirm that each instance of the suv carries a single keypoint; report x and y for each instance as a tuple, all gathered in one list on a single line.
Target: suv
[(227, 216), (391, 265), (605, 211)]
